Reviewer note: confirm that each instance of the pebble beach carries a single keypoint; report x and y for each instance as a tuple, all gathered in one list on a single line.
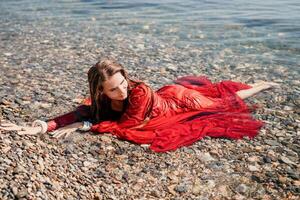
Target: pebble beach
[(44, 59)]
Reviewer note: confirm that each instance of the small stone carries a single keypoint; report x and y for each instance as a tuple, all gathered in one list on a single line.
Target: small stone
[(294, 175), (253, 168), (171, 189), (155, 193), (97, 196), (41, 164), (14, 190), (287, 160), (5, 102), (45, 105), (7, 161), (145, 146), (8, 54), (110, 148), (146, 27), (45, 42), (181, 188), (288, 108), (253, 159), (296, 183), (282, 179), (19, 169), (214, 152), (267, 159), (87, 163), (174, 178), (106, 139), (140, 46), (6, 149), (206, 157), (77, 100), (22, 193), (238, 197), (28, 143), (196, 188), (272, 142), (210, 184), (257, 178), (6, 141), (163, 70), (223, 190), (171, 67), (19, 101), (242, 188)]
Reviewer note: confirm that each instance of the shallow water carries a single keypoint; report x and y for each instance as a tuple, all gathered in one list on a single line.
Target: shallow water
[(262, 32)]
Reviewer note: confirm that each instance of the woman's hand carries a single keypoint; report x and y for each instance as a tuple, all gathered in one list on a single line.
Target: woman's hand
[(66, 131), (21, 130), (30, 130)]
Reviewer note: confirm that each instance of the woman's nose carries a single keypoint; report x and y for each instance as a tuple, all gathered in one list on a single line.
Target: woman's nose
[(122, 90)]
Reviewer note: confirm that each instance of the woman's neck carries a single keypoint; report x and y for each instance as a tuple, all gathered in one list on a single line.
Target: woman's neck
[(117, 105)]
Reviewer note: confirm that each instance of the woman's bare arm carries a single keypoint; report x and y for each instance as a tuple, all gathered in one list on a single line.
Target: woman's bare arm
[(64, 124)]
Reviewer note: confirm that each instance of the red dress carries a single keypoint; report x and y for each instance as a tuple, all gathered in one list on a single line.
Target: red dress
[(178, 115)]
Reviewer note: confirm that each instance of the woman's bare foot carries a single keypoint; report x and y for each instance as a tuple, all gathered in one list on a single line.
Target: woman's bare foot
[(256, 84), (257, 87), (265, 84)]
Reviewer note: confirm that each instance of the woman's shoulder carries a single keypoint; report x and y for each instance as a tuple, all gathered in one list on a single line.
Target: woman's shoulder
[(138, 90), (138, 85)]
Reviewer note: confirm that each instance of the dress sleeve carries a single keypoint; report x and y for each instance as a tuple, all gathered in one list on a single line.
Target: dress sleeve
[(81, 113), (139, 106)]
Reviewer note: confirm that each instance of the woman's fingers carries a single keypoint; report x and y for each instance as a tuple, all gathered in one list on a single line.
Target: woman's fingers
[(11, 128), (57, 133), (29, 130), (26, 132), (4, 124), (258, 83), (61, 133), (273, 84), (268, 85), (68, 134), (8, 124), (265, 83)]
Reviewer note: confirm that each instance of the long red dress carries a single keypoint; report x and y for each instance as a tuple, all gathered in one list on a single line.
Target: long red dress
[(178, 115)]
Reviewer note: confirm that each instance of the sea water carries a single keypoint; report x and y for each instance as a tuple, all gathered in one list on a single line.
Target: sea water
[(265, 32)]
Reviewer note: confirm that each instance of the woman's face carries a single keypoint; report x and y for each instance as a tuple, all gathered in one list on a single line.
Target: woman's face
[(116, 87)]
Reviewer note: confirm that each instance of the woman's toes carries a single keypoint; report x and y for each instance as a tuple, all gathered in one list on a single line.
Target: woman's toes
[(268, 85), (258, 83), (273, 84)]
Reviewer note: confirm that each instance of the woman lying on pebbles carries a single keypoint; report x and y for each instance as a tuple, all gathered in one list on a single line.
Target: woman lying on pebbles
[(175, 115)]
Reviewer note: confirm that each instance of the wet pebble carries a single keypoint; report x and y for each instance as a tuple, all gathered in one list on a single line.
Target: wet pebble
[(206, 157), (287, 160), (181, 188), (242, 188)]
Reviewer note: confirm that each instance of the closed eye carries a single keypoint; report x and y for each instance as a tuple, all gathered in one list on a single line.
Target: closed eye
[(113, 89)]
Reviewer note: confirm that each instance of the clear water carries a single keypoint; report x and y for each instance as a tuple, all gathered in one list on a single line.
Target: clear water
[(265, 31)]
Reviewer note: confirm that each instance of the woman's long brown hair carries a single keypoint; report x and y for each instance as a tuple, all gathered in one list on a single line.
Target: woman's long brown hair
[(100, 72)]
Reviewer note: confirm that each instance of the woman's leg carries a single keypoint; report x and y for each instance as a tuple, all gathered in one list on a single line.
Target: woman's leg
[(257, 87)]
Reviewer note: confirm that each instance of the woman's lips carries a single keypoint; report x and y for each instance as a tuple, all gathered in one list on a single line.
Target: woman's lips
[(124, 96)]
